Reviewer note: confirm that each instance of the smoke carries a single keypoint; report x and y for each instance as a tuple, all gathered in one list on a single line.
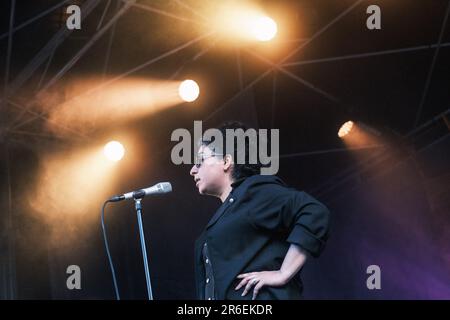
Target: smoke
[(69, 191), (86, 104)]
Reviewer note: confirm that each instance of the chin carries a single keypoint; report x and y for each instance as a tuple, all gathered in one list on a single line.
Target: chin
[(202, 190)]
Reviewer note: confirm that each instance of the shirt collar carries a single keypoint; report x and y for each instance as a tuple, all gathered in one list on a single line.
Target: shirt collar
[(236, 183), (234, 186)]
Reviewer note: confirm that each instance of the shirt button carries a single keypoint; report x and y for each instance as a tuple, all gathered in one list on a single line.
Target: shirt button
[(207, 280), (231, 200), (207, 260)]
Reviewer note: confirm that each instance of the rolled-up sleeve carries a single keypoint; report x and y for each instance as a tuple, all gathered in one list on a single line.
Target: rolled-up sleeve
[(311, 223), (304, 219)]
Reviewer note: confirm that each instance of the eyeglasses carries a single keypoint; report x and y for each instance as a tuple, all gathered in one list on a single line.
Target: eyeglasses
[(200, 158)]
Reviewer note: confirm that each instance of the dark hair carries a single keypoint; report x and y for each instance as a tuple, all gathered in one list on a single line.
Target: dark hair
[(239, 171)]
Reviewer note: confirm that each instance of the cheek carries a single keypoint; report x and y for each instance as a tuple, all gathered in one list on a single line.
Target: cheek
[(204, 181), (207, 178), (205, 186)]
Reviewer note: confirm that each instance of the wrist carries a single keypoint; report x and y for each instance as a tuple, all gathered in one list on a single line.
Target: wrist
[(284, 276)]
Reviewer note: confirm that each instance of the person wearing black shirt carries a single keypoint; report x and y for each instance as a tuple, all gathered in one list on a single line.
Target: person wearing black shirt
[(260, 237)]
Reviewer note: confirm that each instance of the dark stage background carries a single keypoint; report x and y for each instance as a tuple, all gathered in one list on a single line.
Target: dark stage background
[(390, 204)]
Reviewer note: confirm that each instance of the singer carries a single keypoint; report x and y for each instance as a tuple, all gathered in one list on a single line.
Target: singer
[(260, 237)]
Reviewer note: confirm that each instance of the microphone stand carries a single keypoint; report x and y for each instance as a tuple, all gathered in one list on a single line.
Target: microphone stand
[(138, 208)]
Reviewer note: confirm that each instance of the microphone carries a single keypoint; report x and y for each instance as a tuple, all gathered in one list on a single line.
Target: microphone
[(162, 187)]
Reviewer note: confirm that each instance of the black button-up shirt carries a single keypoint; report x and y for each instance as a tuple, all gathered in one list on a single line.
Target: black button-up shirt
[(252, 231), (209, 281), (209, 275)]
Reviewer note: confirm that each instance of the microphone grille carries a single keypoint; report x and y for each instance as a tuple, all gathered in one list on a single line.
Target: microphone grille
[(166, 187)]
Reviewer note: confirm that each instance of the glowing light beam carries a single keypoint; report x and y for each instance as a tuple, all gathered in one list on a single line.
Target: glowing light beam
[(345, 129), (189, 90), (263, 28), (114, 151), (244, 22)]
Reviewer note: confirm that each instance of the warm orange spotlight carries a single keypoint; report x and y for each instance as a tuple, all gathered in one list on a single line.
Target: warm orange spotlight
[(114, 151), (189, 90), (263, 28), (80, 105), (244, 22), (345, 129), (72, 182)]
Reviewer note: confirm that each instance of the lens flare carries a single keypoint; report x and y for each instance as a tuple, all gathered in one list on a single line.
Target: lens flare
[(189, 90), (114, 151)]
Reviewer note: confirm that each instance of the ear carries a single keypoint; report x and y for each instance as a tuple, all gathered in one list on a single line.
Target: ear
[(227, 162)]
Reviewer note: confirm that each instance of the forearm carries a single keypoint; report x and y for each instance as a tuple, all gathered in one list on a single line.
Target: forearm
[(293, 261)]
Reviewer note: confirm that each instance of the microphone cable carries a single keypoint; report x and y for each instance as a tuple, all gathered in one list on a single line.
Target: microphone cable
[(107, 250)]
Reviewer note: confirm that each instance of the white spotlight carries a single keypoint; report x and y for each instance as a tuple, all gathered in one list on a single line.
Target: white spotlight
[(345, 129), (264, 28), (114, 151), (189, 90)]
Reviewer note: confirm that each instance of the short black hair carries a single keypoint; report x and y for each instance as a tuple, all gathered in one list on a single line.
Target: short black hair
[(239, 171)]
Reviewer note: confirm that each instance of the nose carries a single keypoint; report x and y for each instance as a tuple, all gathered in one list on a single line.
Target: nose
[(194, 170)]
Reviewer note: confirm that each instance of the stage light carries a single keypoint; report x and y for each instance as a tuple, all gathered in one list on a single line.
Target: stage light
[(189, 90), (345, 129), (244, 22), (263, 28), (114, 151)]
